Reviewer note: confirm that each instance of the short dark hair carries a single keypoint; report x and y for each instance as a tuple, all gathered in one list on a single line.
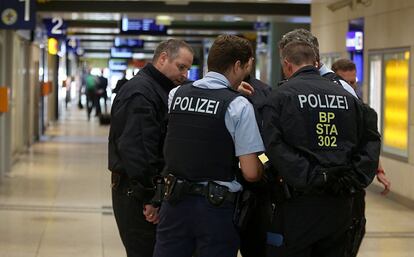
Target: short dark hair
[(171, 47), (343, 65), (299, 53), (226, 51), (300, 35)]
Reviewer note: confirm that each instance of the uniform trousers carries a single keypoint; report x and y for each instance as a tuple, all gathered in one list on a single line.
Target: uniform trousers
[(193, 225), (357, 230), (313, 225), (253, 236), (137, 235)]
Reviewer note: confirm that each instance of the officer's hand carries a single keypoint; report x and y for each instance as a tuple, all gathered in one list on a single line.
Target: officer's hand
[(342, 180), (151, 213), (383, 180), (245, 88)]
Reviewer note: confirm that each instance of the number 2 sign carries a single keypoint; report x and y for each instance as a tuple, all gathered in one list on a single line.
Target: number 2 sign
[(55, 27)]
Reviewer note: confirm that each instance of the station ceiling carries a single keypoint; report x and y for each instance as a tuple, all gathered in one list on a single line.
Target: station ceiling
[(96, 23)]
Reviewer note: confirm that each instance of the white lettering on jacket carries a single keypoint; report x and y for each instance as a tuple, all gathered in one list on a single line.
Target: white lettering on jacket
[(323, 101), (195, 104)]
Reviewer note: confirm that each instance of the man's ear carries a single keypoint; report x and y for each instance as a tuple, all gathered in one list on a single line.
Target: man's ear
[(237, 66), (163, 58), (288, 65)]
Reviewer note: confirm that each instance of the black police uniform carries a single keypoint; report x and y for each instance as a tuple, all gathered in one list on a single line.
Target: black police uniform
[(195, 217), (253, 235), (315, 138), (356, 231), (136, 137)]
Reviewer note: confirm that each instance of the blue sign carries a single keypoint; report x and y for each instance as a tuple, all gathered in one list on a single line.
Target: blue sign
[(118, 64), (121, 52), (194, 73), (72, 45), (17, 14), (128, 42), (142, 26), (355, 41), (262, 26), (55, 27)]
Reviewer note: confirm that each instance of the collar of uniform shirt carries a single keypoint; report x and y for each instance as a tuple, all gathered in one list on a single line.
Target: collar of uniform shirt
[(324, 69), (212, 80)]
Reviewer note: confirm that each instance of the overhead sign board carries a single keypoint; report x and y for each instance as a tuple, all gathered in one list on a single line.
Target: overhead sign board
[(55, 27), (128, 42), (118, 64), (17, 14), (121, 52), (142, 26)]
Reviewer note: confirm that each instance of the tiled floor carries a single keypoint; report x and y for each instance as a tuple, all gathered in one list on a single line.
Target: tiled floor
[(56, 202)]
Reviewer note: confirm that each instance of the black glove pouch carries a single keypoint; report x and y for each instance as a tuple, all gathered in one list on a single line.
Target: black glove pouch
[(216, 193)]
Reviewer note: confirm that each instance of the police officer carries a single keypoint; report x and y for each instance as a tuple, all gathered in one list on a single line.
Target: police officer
[(357, 228), (136, 136), (211, 127), (313, 135), (253, 234)]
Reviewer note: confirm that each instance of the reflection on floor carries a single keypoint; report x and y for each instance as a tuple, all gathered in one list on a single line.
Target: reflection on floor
[(56, 201)]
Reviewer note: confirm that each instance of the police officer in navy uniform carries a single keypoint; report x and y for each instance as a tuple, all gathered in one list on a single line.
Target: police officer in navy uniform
[(136, 137), (211, 128), (314, 137)]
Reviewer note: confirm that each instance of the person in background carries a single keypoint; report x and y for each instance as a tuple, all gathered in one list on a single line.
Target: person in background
[(346, 69), (136, 138), (120, 83), (91, 83), (101, 93)]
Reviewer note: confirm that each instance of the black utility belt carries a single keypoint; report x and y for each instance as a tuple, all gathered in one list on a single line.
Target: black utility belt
[(200, 189), (175, 189)]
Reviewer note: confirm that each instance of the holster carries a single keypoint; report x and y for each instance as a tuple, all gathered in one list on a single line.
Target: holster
[(245, 203), (174, 189)]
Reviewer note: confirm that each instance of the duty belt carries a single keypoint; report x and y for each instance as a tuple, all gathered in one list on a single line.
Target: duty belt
[(175, 189), (200, 189)]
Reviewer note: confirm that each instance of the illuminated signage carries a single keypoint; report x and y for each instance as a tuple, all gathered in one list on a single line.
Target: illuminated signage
[(128, 42), (55, 27), (396, 91), (117, 64), (52, 46), (121, 52), (194, 73), (354, 41), (142, 26)]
